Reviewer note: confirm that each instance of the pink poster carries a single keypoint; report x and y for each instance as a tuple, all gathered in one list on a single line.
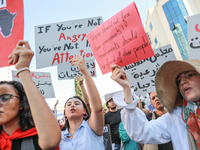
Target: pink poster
[(120, 40)]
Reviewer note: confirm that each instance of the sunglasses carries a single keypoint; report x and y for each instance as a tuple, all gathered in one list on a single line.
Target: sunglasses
[(5, 98)]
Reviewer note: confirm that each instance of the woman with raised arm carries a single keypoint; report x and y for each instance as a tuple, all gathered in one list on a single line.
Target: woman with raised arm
[(81, 130), (178, 89), (26, 121)]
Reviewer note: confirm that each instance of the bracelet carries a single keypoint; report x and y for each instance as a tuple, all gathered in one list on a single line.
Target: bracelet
[(127, 103), (20, 70)]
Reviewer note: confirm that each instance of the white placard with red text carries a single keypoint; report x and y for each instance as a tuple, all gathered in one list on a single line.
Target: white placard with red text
[(43, 82), (58, 43)]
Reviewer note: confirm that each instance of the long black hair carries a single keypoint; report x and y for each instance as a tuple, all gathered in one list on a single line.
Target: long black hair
[(25, 117), (66, 125)]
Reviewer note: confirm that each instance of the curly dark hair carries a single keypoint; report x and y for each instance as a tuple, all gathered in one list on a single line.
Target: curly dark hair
[(25, 117), (66, 125)]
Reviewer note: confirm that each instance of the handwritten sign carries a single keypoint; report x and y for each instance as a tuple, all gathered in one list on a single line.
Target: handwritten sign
[(65, 73), (43, 82), (11, 27), (193, 25), (107, 137), (58, 43), (142, 74), (120, 40)]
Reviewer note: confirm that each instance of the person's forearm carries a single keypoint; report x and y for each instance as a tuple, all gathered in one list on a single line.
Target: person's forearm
[(93, 93), (45, 122), (140, 104), (96, 121), (85, 97), (128, 95), (143, 131)]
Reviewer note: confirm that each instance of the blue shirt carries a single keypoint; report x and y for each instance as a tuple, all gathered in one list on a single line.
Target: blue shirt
[(84, 139)]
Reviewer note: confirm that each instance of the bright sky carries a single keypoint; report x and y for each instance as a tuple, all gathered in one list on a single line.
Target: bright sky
[(39, 12)]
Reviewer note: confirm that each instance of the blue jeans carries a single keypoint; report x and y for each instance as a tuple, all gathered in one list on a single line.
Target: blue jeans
[(117, 146)]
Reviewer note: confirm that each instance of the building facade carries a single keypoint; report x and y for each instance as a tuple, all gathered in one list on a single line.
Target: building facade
[(167, 24)]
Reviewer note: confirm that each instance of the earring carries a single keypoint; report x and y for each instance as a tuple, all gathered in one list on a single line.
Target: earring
[(85, 115), (65, 118)]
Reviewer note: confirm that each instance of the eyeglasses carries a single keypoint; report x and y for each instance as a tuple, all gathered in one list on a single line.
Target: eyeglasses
[(5, 98)]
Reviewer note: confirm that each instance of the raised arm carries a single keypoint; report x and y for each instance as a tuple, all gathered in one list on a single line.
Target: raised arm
[(55, 110), (119, 75), (134, 120), (146, 111), (96, 120), (57, 101), (47, 127), (84, 92), (140, 104)]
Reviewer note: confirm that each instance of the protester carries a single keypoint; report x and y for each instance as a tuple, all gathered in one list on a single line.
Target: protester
[(25, 118), (61, 123), (54, 109), (82, 130), (177, 85), (160, 110), (141, 105), (83, 90), (104, 110), (128, 144), (113, 118)]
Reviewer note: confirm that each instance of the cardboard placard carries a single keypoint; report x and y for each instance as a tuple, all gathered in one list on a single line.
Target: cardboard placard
[(43, 82), (142, 74), (108, 96), (58, 43), (120, 40), (193, 26), (66, 71)]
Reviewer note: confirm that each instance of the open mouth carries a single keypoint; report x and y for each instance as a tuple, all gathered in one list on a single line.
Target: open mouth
[(157, 103), (72, 110), (187, 89)]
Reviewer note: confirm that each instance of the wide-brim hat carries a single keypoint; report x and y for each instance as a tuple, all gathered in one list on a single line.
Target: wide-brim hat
[(166, 84)]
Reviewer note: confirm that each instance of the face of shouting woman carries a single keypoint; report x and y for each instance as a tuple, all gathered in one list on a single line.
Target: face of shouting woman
[(189, 85), (74, 109)]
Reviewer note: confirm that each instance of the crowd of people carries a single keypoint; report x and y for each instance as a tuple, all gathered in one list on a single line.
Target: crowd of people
[(27, 122)]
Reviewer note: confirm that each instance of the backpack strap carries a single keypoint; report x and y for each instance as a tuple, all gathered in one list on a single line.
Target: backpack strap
[(27, 143), (153, 116)]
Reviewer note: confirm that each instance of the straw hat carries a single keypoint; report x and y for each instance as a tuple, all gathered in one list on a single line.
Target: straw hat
[(165, 81)]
